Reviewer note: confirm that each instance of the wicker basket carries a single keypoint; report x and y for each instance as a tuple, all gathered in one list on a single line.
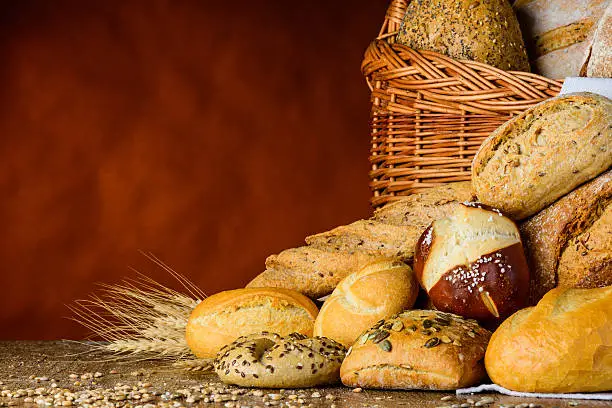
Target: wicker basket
[(430, 112)]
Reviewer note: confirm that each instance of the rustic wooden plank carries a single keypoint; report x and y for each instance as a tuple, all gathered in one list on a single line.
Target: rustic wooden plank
[(21, 362)]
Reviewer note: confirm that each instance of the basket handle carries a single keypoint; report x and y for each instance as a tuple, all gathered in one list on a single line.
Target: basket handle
[(393, 20)]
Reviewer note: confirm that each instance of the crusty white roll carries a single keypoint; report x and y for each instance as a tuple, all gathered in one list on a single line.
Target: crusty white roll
[(223, 317), (472, 263), (564, 344), (378, 290)]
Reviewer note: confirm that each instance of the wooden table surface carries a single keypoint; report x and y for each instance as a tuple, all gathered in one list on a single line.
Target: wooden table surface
[(63, 363)]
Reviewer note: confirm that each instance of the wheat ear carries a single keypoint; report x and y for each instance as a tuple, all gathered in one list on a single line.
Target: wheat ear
[(141, 318)]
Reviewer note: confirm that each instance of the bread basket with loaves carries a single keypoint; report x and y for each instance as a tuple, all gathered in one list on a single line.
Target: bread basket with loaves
[(431, 112)]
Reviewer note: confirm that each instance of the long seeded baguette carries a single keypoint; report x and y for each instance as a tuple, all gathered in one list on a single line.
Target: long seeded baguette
[(310, 271), (544, 153), (569, 244), (369, 236), (315, 270)]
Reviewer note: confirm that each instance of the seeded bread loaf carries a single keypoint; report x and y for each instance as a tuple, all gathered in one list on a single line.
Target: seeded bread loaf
[(544, 153), (421, 209), (559, 34), (483, 31), (315, 270), (267, 360), (564, 344), (369, 236), (418, 349), (223, 317), (311, 271), (569, 243), (379, 290)]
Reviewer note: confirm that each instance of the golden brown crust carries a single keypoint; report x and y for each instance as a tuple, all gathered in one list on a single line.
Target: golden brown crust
[(568, 243), (484, 31), (523, 166), (417, 349), (376, 291), (221, 318), (561, 345), (267, 360)]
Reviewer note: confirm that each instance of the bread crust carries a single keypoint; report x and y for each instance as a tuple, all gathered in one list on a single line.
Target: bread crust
[(544, 153), (559, 34), (569, 243), (426, 350), (378, 290), (600, 62), (483, 31), (561, 345), (221, 318)]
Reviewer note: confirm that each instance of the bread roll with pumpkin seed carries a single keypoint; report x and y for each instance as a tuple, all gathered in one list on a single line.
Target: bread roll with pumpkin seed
[(418, 349), (380, 289), (267, 360), (223, 317)]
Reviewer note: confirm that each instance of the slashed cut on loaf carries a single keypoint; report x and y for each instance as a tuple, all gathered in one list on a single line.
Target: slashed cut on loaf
[(544, 153)]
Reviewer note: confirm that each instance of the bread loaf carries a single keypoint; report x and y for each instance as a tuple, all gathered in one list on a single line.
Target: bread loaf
[(223, 317), (544, 153), (267, 360), (311, 271), (472, 263), (600, 61), (483, 31), (379, 290), (559, 34), (315, 270), (564, 344), (569, 243), (417, 349)]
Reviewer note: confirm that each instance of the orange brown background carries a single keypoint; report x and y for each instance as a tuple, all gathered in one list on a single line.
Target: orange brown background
[(212, 134)]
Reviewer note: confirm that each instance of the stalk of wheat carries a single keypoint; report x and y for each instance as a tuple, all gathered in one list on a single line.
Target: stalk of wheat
[(142, 319)]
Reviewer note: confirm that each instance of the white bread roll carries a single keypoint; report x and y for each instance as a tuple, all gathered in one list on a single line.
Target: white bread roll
[(564, 344), (223, 317), (378, 290)]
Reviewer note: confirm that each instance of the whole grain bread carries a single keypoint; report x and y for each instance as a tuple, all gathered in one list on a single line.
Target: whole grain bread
[(569, 243), (544, 153), (483, 31), (316, 269)]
